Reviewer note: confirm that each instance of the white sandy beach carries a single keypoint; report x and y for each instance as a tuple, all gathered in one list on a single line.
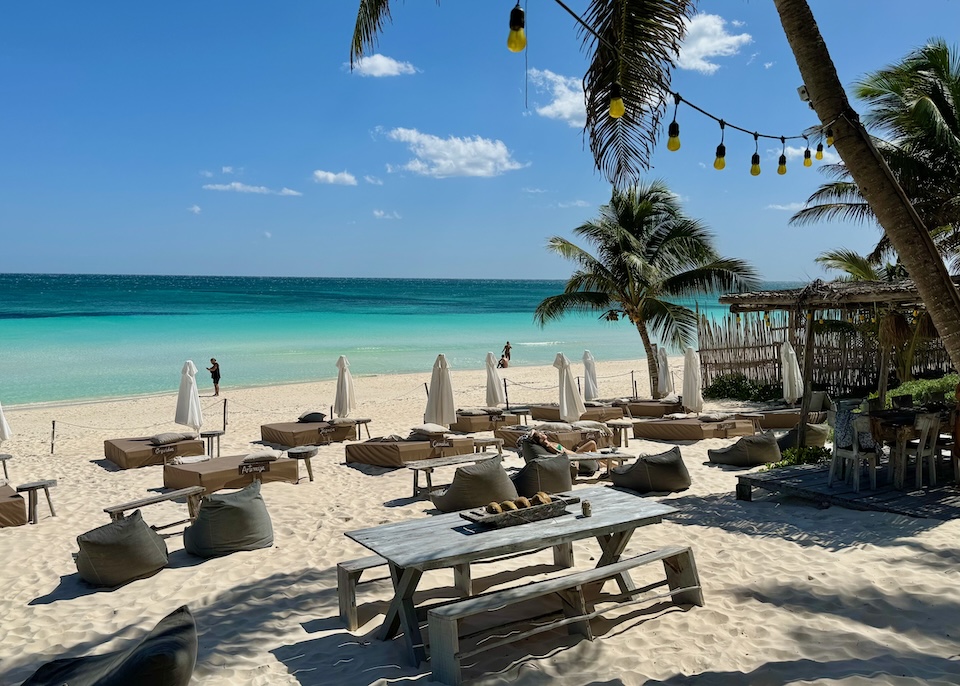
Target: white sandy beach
[(794, 594)]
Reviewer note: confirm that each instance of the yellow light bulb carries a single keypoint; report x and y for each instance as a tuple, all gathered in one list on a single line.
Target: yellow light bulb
[(782, 165), (721, 161), (517, 39), (806, 158), (673, 139), (617, 108), (755, 165), (829, 137), (819, 151)]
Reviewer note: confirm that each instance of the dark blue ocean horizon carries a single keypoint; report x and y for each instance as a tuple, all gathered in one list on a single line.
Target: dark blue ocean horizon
[(85, 336)]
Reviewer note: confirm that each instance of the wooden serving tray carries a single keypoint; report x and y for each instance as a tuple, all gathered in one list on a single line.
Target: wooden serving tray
[(555, 508)]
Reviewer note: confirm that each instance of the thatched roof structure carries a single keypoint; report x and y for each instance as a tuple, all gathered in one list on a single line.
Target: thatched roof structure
[(835, 295)]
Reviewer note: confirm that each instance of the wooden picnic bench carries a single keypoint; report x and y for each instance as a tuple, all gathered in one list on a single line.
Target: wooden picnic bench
[(191, 493), (443, 622), (427, 467), (31, 490)]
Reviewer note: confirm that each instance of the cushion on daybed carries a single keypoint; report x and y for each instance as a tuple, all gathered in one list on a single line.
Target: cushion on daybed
[(429, 429), (342, 421), (120, 552), (229, 522), (749, 451), (663, 472), (168, 438), (555, 426), (816, 437), (549, 474), (590, 425), (164, 657), (266, 455), (309, 417), (474, 486), (472, 412)]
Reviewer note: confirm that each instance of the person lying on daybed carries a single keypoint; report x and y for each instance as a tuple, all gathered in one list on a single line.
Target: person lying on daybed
[(540, 438)]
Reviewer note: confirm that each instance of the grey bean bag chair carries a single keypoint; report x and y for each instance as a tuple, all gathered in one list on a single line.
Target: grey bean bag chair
[(816, 437), (663, 472), (121, 551), (530, 451), (474, 486), (164, 657), (749, 451), (549, 474), (229, 522)]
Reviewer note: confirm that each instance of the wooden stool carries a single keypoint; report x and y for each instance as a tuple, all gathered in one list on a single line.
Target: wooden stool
[(620, 435), (31, 489), (304, 452), (481, 444), (755, 417), (366, 425), (4, 458), (520, 413), (208, 436)]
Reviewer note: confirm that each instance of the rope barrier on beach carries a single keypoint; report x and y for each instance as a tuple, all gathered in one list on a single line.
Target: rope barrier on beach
[(532, 388)]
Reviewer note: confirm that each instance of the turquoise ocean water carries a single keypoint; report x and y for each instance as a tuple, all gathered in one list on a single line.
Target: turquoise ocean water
[(71, 337)]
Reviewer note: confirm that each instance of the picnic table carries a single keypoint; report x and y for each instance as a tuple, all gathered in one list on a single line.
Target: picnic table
[(415, 546)]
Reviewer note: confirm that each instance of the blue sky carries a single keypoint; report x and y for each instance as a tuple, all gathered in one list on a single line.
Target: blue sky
[(231, 138)]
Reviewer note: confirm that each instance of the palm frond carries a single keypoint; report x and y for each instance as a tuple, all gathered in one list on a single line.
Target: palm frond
[(556, 306)]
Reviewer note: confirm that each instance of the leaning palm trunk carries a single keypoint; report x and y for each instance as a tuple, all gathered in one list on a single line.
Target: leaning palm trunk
[(893, 210), (653, 368)]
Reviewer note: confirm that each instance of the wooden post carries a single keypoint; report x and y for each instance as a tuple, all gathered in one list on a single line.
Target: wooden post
[(884, 376), (633, 384), (807, 378), (579, 390), (225, 415), (426, 389), (506, 397), (53, 435)]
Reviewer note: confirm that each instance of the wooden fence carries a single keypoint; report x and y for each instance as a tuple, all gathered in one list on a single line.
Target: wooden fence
[(845, 362)]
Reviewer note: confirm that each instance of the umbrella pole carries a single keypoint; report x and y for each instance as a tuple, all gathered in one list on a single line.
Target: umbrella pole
[(224, 415), (53, 435)]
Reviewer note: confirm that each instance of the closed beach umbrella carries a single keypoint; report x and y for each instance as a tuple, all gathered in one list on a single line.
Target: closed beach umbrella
[(5, 433), (590, 389), (664, 377), (692, 382), (188, 399), (792, 378), (440, 407), (571, 404), (343, 404), (494, 384)]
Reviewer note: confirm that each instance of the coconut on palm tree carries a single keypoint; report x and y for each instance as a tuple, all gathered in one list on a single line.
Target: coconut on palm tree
[(644, 251)]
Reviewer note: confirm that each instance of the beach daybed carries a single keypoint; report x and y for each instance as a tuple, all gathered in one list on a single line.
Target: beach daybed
[(567, 435), (224, 472), (595, 411), (471, 420), (13, 509), (293, 434), (394, 451), (691, 428), (129, 453), (788, 418), (647, 407)]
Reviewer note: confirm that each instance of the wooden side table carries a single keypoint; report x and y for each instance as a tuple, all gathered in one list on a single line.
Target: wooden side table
[(365, 422), (209, 436), (4, 458), (480, 445), (305, 453), (621, 431), (31, 490)]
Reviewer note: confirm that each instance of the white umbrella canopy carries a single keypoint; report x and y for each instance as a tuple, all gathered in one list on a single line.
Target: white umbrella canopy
[(440, 407), (188, 399), (590, 389), (495, 395), (664, 377), (792, 378), (5, 433), (571, 404), (692, 381), (345, 401)]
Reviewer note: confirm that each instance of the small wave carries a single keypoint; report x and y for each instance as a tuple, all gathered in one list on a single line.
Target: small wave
[(540, 343)]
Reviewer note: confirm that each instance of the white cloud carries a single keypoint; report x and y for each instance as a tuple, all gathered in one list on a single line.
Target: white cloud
[(566, 94), (343, 178), (238, 187), (373, 180), (226, 170), (707, 37), (738, 23), (767, 65), (574, 203), (789, 207), (380, 214), (267, 234), (446, 157), (381, 65), (206, 174), (195, 209), (533, 190), (288, 191)]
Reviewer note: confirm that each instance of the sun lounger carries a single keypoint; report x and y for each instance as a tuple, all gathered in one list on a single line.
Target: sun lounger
[(637, 407), (597, 413), (471, 421), (13, 509), (691, 429), (567, 438), (128, 453), (223, 472), (787, 419), (293, 434), (397, 452)]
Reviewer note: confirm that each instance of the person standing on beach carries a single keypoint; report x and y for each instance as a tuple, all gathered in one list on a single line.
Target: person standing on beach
[(506, 351), (214, 370)]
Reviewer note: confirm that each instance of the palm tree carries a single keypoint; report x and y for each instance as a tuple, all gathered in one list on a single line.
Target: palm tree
[(915, 105), (645, 251), (636, 45)]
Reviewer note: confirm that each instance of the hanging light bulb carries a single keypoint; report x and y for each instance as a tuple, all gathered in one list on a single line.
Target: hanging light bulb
[(673, 131), (782, 162), (517, 39), (755, 160), (806, 154), (617, 108), (721, 161), (819, 154), (829, 137)]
